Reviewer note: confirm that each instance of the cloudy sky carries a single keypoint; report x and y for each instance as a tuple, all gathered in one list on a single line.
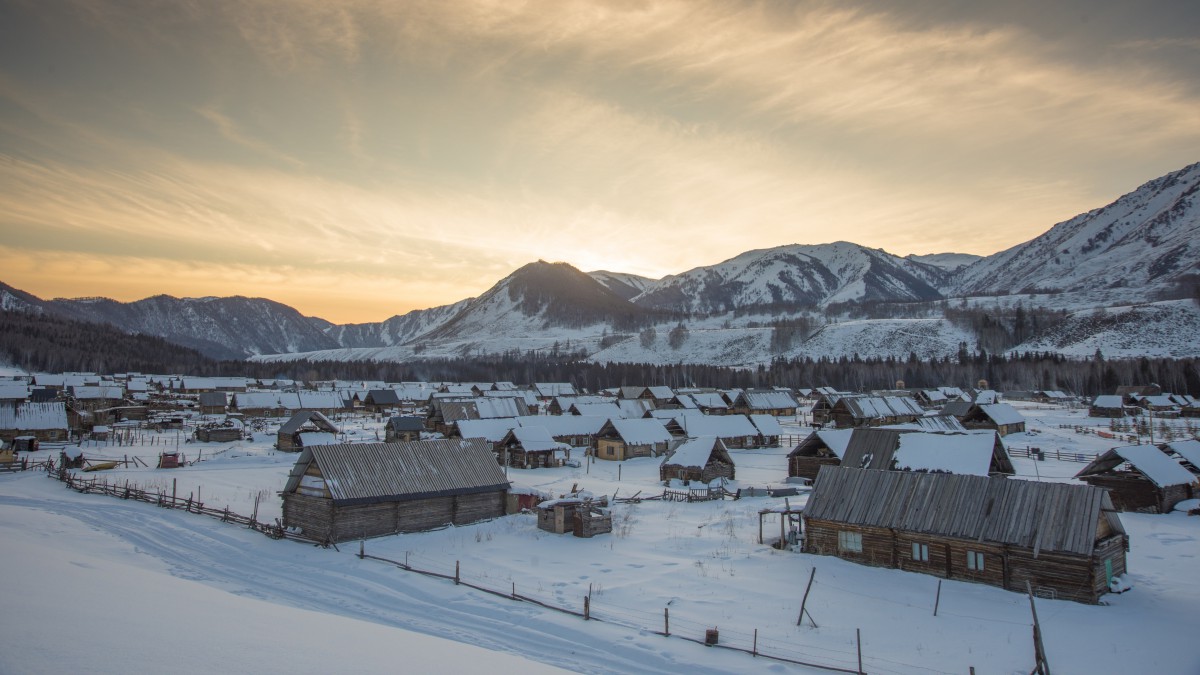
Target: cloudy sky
[(358, 159)]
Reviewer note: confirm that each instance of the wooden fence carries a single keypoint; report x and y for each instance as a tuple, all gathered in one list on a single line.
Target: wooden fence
[(1038, 453), (99, 485), (667, 626)]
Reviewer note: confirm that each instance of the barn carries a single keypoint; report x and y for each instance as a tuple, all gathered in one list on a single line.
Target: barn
[(1141, 478), (340, 492), (1064, 539)]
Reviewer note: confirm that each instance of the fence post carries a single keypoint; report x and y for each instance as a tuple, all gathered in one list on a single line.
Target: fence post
[(754, 651), (456, 577), (938, 598), (858, 639), (667, 621), (587, 608)]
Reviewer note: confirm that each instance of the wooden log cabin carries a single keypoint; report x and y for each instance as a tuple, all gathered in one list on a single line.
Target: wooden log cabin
[(699, 459), (290, 437), (622, 439), (341, 492), (823, 447), (1141, 478), (1066, 540), (582, 517)]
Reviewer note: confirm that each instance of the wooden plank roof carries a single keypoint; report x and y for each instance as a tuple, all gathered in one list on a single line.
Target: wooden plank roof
[(1053, 517), (365, 473)]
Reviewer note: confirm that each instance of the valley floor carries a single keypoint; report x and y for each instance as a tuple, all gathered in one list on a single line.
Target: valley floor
[(104, 585)]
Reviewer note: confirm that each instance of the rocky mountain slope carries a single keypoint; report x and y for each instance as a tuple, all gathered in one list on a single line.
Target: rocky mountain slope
[(1144, 242)]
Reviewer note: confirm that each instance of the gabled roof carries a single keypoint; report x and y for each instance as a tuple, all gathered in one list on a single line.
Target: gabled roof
[(326, 400), (716, 426), (876, 407), (1002, 413), (958, 408), (535, 439), (710, 399), (609, 410), (1189, 450), (1052, 517), (1108, 401), (978, 453), (661, 393), (394, 472), (697, 452), (493, 430), (33, 416), (303, 417), (835, 440), (565, 425), (406, 424), (552, 389), (767, 425), (382, 397), (1148, 460), (767, 400), (213, 398), (640, 431)]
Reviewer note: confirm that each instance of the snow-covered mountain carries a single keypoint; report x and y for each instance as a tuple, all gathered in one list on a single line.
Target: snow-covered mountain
[(223, 328), (1143, 242), (624, 285), (951, 262), (394, 331), (540, 297), (796, 276)]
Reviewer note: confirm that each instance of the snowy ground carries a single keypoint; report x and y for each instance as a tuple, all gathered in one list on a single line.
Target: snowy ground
[(105, 585)]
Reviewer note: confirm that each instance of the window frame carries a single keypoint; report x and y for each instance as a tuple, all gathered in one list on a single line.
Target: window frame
[(975, 562), (849, 541)]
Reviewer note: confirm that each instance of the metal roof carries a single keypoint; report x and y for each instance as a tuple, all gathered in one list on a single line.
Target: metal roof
[(395, 472), (1157, 466), (1053, 517)]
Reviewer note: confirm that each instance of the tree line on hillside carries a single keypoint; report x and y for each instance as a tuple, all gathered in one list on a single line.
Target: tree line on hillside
[(49, 344)]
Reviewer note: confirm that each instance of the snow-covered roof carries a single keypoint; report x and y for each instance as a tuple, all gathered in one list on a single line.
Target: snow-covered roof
[(535, 439), (1108, 401), (717, 426), (17, 391), (1155, 465), (769, 400), (607, 410), (1161, 401), (565, 425), (693, 453), (634, 408), (34, 416), (319, 400), (661, 392), (767, 425), (836, 440), (257, 400), (494, 430), (1002, 413), (986, 397), (93, 393), (641, 431), (710, 399), (552, 389), (1188, 449), (874, 407), (969, 453), (491, 408), (311, 438)]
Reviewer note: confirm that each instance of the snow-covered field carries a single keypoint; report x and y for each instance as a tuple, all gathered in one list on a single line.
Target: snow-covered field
[(103, 585)]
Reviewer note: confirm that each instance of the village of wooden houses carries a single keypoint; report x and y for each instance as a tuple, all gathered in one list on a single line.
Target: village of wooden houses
[(793, 526)]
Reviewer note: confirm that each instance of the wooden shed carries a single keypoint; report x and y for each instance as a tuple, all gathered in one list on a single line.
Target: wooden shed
[(874, 411), (340, 492), (531, 448), (1107, 405), (44, 421), (700, 459), (999, 416), (290, 436), (1066, 540), (1141, 478), (582, 517)]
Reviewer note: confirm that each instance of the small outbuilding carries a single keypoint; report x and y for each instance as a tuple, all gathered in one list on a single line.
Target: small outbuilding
[(531, 448), (404, 429), (290, 436), (580, 516), (340, 492), (621, 439), (823, 447), (1141, 478), (701, 459)]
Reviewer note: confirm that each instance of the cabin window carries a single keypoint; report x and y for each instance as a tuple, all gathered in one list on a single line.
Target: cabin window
[(975, 561), (920, 552), (850, 541)]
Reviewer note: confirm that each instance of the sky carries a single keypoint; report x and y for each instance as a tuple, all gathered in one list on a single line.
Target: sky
[(363, 158)]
